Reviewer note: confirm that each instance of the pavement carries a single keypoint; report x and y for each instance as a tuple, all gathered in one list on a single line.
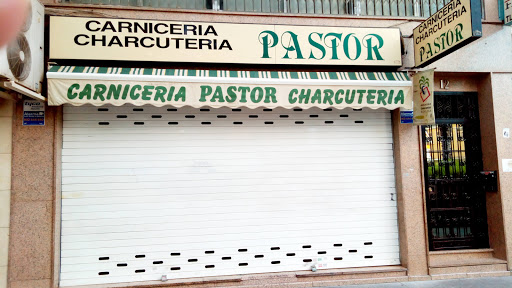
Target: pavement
[(490, 282)]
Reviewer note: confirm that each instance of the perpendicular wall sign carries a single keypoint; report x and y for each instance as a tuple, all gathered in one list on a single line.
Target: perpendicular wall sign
[(455, 25)]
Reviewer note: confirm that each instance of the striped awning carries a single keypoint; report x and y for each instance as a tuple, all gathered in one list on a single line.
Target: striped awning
[(79, 85)]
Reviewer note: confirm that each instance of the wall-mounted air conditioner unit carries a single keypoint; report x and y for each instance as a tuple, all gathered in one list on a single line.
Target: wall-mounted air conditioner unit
[(22, 60)]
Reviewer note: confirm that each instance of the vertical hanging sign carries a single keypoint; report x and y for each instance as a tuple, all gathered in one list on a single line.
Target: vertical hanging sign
[(423, 98)]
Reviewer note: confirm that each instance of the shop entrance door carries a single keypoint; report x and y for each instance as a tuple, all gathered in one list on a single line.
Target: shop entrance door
[(452, 154)]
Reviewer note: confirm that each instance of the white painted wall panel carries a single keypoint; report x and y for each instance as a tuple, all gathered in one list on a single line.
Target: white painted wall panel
[(150, 191)]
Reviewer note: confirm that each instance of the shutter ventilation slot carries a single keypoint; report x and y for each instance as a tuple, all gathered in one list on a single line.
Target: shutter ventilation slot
[(122, 116), (122, 265), (259, 256), (138, 109), (104, 258), (102, 109), (104, 123), (140, 256), (158, 262), (103, 273), (172, 109), (172, 123), (209, 266), (175, 268), (140, 270)]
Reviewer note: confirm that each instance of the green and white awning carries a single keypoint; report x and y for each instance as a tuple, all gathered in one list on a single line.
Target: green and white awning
[(79, 85)]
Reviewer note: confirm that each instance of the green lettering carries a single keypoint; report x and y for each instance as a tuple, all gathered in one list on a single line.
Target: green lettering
[(257, 95), (205, 91), (244, 90), (114, 91), (71, 94), (291, 97), (266, 43), (217, 95), (231, 97), (125, 92), (160, 92), (338, 98), (181, 94), (370, 96), (270, 92), (350, 98), (328, 94), (316, 45), (147, 92), (390, 97), (304, 97), (400, 97), (381, 97), (373, 49), (361, 95), (134, 95), (171, 93), (317, 97), (292, 47), (86, 92), (334, 44), (346, 48), (99, 90)]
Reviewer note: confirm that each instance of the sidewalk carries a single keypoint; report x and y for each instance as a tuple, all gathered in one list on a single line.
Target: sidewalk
[(491, 282)]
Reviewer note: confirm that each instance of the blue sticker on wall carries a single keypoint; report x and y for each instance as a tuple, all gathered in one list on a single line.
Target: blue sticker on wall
[(33, 113), (406, 117)]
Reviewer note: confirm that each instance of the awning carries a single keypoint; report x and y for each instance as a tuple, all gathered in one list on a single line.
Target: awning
[(78, 85)]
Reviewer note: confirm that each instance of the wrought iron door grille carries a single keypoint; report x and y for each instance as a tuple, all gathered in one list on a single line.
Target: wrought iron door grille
[(452, 160)]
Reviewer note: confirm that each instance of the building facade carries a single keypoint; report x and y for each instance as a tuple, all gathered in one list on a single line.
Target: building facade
[(157, 191)]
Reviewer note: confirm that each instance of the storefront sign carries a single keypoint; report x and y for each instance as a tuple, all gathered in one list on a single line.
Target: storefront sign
[(423, 97), (166, 41), (507, 10), (33, 113), (456, 24), (250, 90)]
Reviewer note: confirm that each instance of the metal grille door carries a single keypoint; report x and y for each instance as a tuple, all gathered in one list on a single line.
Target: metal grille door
[(187, 192), (453, 160)]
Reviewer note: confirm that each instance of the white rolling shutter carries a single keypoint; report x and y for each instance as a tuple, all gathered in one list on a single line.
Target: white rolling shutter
[(187, 192)]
